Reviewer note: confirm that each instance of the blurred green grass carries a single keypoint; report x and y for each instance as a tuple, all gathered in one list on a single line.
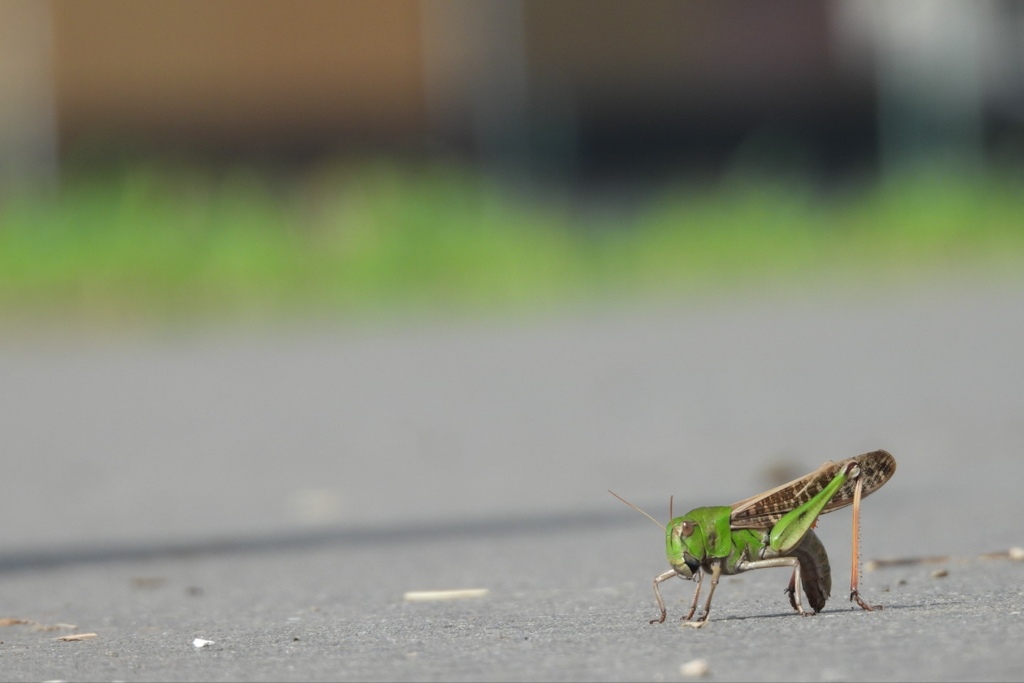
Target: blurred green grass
[(163, 241)]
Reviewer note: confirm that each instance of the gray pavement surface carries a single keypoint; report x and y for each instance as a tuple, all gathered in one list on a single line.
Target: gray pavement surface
[(278, 492)]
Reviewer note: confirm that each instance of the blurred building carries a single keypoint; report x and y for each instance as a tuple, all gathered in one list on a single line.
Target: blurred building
[(573, 86)]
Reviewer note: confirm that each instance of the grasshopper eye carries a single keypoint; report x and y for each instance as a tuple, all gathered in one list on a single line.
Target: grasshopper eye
[(686, 528)]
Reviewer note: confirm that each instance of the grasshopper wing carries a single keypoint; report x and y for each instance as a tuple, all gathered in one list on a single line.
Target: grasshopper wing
[(764, 510)]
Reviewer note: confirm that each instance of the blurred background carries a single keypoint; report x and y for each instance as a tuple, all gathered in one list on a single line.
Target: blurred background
[(211, 163), (194, 158)]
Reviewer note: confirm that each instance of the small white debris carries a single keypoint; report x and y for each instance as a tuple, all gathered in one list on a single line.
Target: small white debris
[(77, 636), (200, 642), (940, 573), (695, 668), (1017, 553), (457, 594)]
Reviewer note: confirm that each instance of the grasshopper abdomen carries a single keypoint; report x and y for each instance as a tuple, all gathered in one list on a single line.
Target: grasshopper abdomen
[(815, 571)]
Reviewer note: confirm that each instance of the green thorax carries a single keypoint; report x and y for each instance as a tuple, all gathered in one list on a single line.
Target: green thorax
[(704, 534)]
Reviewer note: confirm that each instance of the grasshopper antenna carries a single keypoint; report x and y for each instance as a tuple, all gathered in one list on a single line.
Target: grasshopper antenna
[(638, 509)]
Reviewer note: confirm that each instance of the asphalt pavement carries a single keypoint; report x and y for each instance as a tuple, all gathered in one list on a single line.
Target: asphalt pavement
[(293, 502)]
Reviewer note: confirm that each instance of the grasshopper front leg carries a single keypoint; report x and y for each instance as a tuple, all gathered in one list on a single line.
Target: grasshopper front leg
[(696, 595), (716, 572), (657, 594), (661, 602)]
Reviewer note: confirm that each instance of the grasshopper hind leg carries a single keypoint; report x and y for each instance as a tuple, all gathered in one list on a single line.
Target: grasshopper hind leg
[(855, 551)]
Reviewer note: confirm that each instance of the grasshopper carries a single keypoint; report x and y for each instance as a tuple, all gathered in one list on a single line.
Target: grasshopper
[(772, 529)]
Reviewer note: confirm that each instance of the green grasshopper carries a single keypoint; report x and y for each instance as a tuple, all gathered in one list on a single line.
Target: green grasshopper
[(772, 529)]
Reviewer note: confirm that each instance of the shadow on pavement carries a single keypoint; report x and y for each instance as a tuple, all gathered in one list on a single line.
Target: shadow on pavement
[(384, 534)]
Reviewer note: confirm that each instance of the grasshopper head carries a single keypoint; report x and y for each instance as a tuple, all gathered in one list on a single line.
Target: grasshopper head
[(684, 545)]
